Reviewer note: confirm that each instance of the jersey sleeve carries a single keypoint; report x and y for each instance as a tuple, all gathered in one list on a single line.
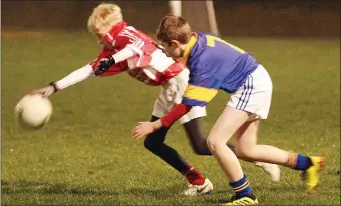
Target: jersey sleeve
[(115, 69), (141, 44), (123, 41), (131, 38), (201, 89)]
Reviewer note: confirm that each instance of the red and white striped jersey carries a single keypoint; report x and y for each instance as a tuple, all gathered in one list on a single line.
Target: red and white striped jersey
[(150, 65)]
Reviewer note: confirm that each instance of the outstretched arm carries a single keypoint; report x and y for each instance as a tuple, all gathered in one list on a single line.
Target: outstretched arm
[(105, 63), (73, 78), (198, 93), (145, 128)]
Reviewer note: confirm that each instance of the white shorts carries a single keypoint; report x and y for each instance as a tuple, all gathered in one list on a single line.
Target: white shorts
[(254, 95), (171, 95)]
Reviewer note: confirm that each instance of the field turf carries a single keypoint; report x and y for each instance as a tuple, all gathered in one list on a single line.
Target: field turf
[(85, 155)]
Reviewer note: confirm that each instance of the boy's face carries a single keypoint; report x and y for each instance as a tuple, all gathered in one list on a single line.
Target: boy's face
[(171, 49), (102, 41)]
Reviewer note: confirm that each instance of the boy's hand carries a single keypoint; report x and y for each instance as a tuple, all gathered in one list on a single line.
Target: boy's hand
[(103, 65), (45, 92), (145, 128)]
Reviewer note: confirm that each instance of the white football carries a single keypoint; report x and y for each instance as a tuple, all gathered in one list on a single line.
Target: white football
[(33, 111)]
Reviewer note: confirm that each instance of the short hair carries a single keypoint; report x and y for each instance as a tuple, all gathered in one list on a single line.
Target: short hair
[(174, 27), (103, 17)]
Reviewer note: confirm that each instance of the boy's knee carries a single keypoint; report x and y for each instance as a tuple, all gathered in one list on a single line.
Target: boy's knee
[(201, 148), (213, 144), (197, 137), (147, 143), (151, 143)]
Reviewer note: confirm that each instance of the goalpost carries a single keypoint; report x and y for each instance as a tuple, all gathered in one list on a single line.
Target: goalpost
[(200, 14)]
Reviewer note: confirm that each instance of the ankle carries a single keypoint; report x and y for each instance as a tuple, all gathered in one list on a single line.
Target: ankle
[(194, 177)]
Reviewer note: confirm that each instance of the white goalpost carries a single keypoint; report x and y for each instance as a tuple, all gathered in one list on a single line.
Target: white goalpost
[(175, 7), (200, 14)]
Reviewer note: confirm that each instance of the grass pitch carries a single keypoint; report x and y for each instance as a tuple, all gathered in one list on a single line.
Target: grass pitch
[(85, 155)]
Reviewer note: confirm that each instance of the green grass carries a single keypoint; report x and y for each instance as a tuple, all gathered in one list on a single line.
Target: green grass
[(85, 155)]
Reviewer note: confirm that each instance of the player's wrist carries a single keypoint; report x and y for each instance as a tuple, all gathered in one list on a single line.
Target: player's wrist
[(157, 124), (111, 60), (55, 87)]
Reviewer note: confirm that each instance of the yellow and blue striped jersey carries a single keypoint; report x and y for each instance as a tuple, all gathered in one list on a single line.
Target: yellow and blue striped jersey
[(214, 64)]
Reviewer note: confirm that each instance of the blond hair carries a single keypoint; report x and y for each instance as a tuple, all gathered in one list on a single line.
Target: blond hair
[(174, 27), (103, 17)]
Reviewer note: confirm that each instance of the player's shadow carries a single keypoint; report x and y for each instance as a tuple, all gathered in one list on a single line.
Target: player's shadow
[(29, 186), (163, 193), (223, 196)]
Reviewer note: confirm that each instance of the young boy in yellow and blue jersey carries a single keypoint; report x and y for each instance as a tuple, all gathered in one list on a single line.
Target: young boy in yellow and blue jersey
[(217, 65)]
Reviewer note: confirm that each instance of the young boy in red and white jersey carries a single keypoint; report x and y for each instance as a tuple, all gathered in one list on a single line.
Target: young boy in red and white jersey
[(126, 49)]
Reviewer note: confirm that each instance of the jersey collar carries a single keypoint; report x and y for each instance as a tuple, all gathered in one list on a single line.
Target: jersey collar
[(190, 45), (112, 34)]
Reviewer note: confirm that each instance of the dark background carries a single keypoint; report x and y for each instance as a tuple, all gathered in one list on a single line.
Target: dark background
[(244, 18)]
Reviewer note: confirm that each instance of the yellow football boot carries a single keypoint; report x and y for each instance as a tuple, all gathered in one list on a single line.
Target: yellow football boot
[(244, 200), (311, 175)]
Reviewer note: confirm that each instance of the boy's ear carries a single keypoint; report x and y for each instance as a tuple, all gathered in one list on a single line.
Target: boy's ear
[(175, 42)]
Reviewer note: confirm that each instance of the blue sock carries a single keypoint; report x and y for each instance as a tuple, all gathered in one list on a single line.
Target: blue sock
[(298, 161), (303, 162), (241, 187)]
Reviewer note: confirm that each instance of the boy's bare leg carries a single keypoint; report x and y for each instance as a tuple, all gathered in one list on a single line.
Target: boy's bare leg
[(198, 141), (226, 126)]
